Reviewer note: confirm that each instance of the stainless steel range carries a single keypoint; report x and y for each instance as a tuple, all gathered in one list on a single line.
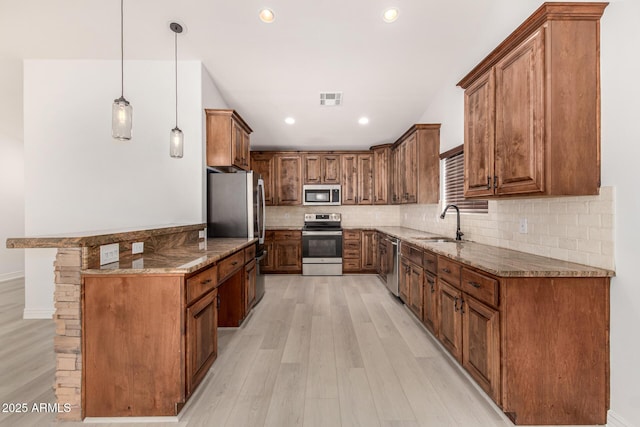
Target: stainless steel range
[(322, 245)]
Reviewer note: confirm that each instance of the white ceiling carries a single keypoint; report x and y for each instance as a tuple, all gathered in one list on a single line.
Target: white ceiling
[(387, 72)]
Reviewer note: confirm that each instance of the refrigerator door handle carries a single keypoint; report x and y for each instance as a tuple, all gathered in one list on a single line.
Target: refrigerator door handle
[(262, 206)]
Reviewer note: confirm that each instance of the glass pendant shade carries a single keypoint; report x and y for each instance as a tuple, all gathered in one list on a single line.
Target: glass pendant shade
[(121, 119), (176, 146)]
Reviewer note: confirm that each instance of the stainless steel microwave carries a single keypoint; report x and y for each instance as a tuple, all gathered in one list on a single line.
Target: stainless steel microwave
[(321, 195)]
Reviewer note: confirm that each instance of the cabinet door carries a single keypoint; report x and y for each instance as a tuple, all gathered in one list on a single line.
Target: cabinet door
[(365, 179), (410, 153), (429, 303), (237, 145), (381, 163), (481, 352), (288, 180), (312, 169), (404, 277), (368, 251), (263, 164), (479, 127), (450, 327), (288, 256), (331, 167), (249, 286), (349, 179), (201, 338), (519, 131), (267, 263), (416, 290)]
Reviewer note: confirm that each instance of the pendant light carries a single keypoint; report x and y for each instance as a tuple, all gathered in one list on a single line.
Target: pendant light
[(121, 111), (176, 137)]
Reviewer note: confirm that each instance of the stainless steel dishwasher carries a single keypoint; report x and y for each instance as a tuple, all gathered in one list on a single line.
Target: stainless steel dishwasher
[(393, 254)]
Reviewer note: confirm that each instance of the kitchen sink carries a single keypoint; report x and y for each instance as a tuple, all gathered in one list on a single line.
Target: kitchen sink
[(435, 239)]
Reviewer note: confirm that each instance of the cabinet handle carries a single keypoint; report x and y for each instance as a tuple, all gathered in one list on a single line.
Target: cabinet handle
[(204, 282), (234, 263), (446, 270), (475, 284), (488, 183), (455, 304), (218, 302), (495, 181), (461, 306)]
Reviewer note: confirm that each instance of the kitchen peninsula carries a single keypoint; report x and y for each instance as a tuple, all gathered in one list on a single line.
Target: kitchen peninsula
[(135, 337)]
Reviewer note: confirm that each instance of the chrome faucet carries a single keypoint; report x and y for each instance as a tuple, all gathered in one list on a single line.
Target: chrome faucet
[(459, 233)]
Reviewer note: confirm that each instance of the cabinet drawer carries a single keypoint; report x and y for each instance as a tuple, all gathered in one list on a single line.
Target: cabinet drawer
[(430, 262), (249, 253), (288, 235), (229, 265), (351, 234), (412, 253), (201, 283), (350, 265), (481, 287), (351, 253), (351, 244), (449, 271)]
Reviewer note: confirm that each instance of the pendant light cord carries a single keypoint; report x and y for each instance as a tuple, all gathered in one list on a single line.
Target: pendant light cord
[(176, 62), (122, 48)]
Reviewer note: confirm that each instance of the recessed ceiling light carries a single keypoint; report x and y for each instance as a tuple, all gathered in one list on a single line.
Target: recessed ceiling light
[(390, 14), (266, 15), (289, 120), (363, 120)]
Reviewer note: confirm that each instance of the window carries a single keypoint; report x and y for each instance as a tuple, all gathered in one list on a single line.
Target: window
[(453, 183)]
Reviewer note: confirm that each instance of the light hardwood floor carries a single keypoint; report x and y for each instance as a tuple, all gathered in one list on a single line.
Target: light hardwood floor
[(316, 351)]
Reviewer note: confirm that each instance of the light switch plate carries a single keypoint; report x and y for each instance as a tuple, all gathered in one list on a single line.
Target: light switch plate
[(523, 226), (201, 234), (137, 248), (109, 253)]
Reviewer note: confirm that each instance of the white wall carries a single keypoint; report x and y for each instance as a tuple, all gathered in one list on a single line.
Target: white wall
[(11, 168), (78, 178), (620, 67), (620, 153)]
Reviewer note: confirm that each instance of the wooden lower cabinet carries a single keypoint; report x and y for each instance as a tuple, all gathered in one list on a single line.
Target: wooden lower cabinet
[(163, 328), (250, 285), (430, 302), (404, 277), (450, 327), (416, 289), (201, 338), (369, 251), (481, 344), (284, 252)]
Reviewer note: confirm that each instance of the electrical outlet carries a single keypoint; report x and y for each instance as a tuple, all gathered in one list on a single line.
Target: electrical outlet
[(523, 226), (138, 263), (201, 234), (109, 253), (137, 248)]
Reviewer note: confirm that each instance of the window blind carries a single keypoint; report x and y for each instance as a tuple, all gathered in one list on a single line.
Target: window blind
[(454, 186)]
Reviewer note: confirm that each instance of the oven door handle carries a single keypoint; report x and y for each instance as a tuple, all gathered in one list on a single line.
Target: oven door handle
[(321, 233)]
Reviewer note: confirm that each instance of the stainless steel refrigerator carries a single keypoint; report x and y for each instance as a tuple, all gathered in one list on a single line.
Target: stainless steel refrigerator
[(236, 208)]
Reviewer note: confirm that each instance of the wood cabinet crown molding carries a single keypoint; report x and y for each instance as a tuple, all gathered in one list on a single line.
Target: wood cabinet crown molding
[(550, 11), (231, 114)]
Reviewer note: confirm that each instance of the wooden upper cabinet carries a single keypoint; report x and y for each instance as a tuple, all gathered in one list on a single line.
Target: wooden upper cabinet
[(478, 136), (532, 108), (321, 168), (381, 167), (263, 163), (288, 182), (416, 161), (365, 179), (357, 179), (228, 141)]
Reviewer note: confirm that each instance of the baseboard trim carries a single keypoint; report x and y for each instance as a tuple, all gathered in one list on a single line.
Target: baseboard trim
[(116, 420), (615, 420), (5, 277), (30, 313)]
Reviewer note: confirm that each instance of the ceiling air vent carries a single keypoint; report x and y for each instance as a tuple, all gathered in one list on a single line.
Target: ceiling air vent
[(331, 99)]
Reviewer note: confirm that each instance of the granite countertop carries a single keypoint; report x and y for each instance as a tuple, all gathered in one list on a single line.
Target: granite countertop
[(494, 260), (183, 260), (98, 237)]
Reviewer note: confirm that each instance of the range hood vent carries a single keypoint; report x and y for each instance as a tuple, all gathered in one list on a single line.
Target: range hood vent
[(331, 99)]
